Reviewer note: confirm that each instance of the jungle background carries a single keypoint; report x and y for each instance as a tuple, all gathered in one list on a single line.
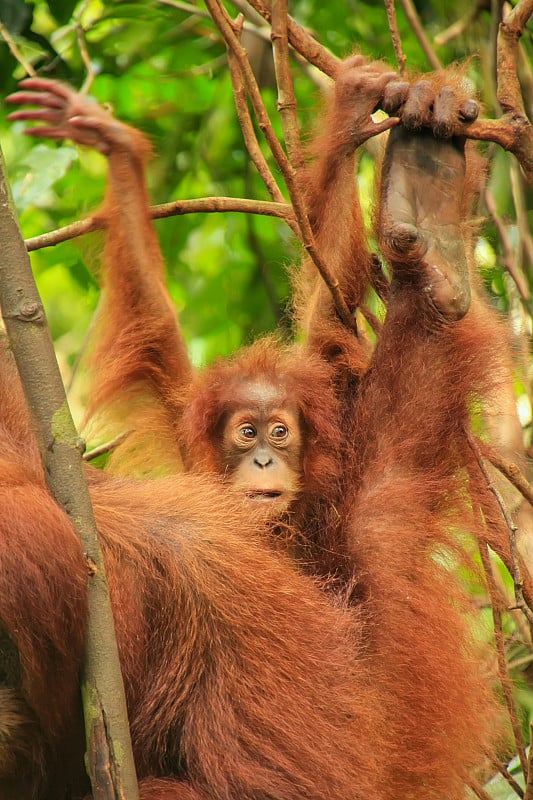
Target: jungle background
[(162, 66)]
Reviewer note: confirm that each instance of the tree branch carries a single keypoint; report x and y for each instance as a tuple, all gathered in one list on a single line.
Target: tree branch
[(512, 131), (109, 753), (286, 96), (303, 42), (204, 205), (500, 653), (414, 21), (395, 35), (515, 568), (226, 27)]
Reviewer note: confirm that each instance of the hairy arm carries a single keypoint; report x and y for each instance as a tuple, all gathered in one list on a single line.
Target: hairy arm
[(139, 358), (334, 206)]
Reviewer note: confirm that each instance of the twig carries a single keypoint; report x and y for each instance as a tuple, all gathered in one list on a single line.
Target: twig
[(516, 571), (250, 27), (521, 207), (286, 96), (513, 473), (508, 252), (106, 447), (513, 131), (478, 790), (523, 661), (188, 8), (528, 795), (380, 282), (500, 654), (395, 35), (509, 30), (226, 27), (414, 20), (249, 12), (303, 42), (460, 25), (15, 52), (86, 58), (248, 132), (203, 205), (371, 318), (250, 139), (504, 772)]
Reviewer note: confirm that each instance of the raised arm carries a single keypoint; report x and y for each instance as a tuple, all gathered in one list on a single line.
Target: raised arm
[(140, 358), (410, 498), (333, 202)]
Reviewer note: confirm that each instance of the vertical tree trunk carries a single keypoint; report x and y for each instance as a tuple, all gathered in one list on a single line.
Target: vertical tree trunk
[(110, 757)]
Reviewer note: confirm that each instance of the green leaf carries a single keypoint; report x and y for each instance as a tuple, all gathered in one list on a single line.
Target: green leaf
[(41, 168)]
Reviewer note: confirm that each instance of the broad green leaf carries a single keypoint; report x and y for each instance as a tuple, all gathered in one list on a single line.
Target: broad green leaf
[(41, 168)]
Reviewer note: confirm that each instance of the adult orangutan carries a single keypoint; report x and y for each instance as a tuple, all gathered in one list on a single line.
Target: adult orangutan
[(368, 463)]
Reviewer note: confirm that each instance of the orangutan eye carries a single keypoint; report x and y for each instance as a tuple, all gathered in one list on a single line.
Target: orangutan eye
[(248, 432), (279, 432)]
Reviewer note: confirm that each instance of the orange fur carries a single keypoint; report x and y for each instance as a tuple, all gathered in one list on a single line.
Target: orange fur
[(245, 678), (242, 680)]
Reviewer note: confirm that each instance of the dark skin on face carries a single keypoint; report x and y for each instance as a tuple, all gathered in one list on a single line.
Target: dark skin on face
[(261, 445)]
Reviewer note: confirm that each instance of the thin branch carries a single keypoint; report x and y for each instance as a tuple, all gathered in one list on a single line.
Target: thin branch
[(513, 473), (500, 654), (106, 447), (15, 52), (395, 35), (203, 205), (521, 206), (246, 9), (504, 772), (263, 32), (371, 318), (286, 97), (516, 571), (508, 252), (303, 42), (510, 30), (86, 58), (478, 790), (528, 795), (513, 131), (226, 27), (461, 25), (188, 8), (520, 663), (248, 132), (414, 20)]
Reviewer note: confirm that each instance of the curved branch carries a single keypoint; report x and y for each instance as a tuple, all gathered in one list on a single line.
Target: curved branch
[(303, 42), (203, 205), (513, 130), (226, 27)]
